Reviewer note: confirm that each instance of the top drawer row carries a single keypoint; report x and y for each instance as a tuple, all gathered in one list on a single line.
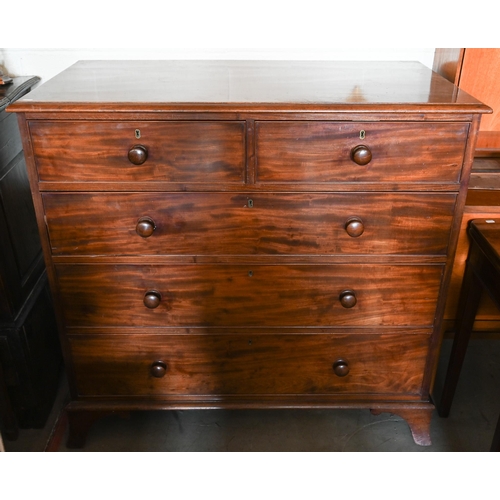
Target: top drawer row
[(215, 152)]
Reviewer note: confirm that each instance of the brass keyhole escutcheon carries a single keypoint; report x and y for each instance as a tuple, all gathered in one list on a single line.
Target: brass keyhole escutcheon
[(250, 203), (362, 134), (137, 133)]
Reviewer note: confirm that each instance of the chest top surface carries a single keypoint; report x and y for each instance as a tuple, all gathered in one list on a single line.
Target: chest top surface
[(252, 85)]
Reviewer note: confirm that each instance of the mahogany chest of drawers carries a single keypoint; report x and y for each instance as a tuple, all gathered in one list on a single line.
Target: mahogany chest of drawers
[(249, 234)]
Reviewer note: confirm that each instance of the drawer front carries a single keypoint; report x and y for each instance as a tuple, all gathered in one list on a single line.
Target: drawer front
[(317, 152), (212, 295), (238, 365), (248, 224), (196, 152)]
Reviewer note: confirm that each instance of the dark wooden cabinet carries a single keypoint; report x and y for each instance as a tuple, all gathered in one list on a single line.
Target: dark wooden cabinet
[(249, 234), (29, 349)]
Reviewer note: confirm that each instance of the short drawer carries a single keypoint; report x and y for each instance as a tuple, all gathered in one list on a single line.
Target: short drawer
[(248, 224), (185, 365), (318, 152), (195, 152), (227, 295)]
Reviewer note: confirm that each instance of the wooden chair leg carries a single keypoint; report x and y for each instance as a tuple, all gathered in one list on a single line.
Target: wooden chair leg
[(470, 296)]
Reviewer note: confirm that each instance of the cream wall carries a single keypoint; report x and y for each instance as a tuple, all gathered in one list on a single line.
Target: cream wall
[(46, 63)]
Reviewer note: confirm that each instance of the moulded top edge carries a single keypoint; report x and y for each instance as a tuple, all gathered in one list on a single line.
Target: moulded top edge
[(249, 85), (27, 106)]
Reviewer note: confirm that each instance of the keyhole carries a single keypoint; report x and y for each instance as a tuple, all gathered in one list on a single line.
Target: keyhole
[(250, 273), (250, 203), (137, 133), (362, 134)]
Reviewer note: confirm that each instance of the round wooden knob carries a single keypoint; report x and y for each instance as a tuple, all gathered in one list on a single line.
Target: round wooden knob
[(152, 299), (341, 368), (347, 299), (354, 227), (158, 369), (361, 155), (145, 227), (138, 155)]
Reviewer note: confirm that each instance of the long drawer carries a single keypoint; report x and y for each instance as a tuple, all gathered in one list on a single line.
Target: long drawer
[(259, 364), (197, 152), (248, 223), (316, 152), (212, 295)]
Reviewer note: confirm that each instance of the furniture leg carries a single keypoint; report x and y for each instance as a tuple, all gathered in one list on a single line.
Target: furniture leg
[(80, 422), (468, 304), (419, 421)]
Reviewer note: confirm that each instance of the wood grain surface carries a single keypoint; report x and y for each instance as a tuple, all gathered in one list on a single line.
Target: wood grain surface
[(321, 151), (248, 223), (198, 152), (238, 295), (366, 86), (260, 364)]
